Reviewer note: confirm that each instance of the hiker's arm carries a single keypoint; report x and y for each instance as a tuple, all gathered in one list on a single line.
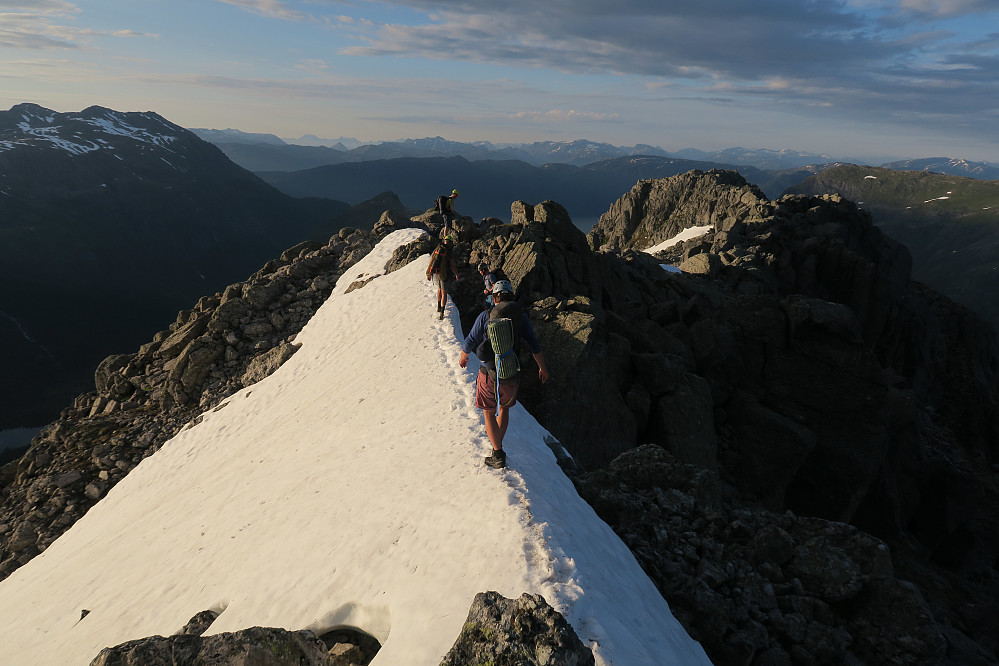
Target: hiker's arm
[(542, 367), (474, 337), (527, 332)]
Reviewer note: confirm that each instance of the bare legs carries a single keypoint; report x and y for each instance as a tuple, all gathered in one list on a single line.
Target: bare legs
[(496, 423)]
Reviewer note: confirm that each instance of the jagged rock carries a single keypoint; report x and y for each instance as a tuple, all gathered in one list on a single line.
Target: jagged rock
[(405, 254), (658, 209), (526, 631), (181, 338), (392, 220), (257, 646), (751, 585), (107, 372), (199, 624), (263, 365), (350, 647)]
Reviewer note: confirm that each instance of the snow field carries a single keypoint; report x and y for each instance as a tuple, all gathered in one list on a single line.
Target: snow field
[(345, 489)]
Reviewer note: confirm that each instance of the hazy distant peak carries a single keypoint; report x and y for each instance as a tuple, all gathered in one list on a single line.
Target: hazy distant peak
[(237, 136)]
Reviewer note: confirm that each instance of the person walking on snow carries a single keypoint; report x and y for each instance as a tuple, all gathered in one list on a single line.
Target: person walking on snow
[(496, 408), (443, 271)]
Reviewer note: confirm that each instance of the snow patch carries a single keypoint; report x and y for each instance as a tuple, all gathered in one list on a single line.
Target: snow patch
[(685, 235)]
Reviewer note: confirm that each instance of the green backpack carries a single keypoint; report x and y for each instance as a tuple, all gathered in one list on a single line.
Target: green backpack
[(503, 338)]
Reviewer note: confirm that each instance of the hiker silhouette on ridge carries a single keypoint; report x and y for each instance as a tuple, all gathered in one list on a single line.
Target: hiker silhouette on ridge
[(445, 206)]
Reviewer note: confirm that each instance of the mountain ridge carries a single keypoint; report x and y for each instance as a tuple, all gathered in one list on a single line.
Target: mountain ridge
[(538, 153), (759, 381), (103, 212)]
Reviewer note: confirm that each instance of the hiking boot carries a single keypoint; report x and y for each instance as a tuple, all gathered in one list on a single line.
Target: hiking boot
[(440, 313), (497, 459)]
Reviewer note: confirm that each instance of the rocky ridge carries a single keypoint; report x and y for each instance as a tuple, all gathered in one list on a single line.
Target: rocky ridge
[(817, 430)]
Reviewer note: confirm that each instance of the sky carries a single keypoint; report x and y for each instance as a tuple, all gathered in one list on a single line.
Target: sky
[(893, 78), (340, 491)]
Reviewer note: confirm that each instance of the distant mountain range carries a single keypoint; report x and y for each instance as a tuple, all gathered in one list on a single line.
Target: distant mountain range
[(109, 223), (267, 152), (488, 186), (260, 152)]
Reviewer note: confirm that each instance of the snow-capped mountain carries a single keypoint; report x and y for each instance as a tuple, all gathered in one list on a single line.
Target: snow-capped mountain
[(340, 491), (103, 211), (92, 129)]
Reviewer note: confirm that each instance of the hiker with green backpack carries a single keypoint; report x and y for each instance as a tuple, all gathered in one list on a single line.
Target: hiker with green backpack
[(494, 338)]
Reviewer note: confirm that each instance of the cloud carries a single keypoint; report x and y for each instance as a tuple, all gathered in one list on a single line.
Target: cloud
[(270, 8), (44, 25), (33, 24), (313, 65), (133, 33), (17, 39), (563, 115), (39, 6), (900, 59), (945, 8)]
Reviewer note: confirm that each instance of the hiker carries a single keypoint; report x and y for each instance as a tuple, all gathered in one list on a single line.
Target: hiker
[(443, 271), (445, 206), (488, 280), (493, 378)]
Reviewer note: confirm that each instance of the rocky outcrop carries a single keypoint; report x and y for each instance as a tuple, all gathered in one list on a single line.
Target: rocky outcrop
[(757, 587), (658, 209), (257, 646), (525, 631)]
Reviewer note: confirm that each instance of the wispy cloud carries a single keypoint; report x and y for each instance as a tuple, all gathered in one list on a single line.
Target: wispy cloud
[(271, 8), (47, 25), (313, 65), (30, 24), (563, 115)]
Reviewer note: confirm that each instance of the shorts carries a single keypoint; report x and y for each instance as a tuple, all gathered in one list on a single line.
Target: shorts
[(485, 391), (447, 285)]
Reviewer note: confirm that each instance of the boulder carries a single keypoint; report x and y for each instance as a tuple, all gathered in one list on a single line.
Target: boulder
[(257, 646), (525, 631), (264, 364)]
